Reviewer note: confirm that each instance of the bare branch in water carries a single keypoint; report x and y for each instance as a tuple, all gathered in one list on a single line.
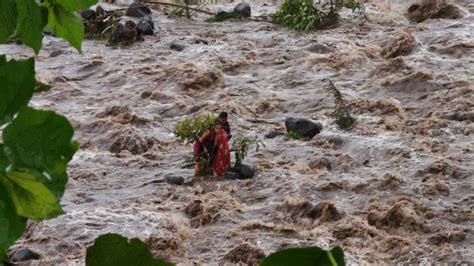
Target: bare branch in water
[(177, 5)]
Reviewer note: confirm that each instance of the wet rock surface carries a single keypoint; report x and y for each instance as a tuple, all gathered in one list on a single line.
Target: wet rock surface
[(24, 254), (146, 27), (138, 10), (303, 127), (243, 9), (401, 180)]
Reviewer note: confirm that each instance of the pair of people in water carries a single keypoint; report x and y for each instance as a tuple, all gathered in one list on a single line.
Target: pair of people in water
[(212, 148)]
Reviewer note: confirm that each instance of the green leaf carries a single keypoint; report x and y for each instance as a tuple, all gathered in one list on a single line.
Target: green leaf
[(17, 79), (116, 250), (40, 141), (76, 5), (31, 198), (7, 19), (66, 25), (11, 225), (312, 256), (30, 23)]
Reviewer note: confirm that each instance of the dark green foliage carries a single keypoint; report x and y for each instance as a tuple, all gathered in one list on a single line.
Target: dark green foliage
[(65, 24), (302, 15), (8, 18), (341, 112), (30, 23), (17, 80), (116, 250), (312, 256), (191, 128), (294, 135), (11, 225), (242, 145)]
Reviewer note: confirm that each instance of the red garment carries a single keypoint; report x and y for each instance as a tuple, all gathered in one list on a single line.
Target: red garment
[(222, 158)]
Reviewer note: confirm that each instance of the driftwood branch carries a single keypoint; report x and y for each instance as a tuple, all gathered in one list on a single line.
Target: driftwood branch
[(177, 5)]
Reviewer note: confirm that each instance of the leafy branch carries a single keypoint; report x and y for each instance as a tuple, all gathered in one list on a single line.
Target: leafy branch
[(342, 113), (242, 145)]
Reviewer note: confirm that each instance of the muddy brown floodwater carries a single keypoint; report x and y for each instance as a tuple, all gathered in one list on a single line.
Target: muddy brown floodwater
[(397, 188)]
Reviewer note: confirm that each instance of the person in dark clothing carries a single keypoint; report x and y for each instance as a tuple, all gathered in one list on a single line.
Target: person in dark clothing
[(222, 119)]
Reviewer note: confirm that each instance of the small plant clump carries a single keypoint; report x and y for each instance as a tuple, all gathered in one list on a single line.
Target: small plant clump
[(190, 129), (242, 145), (303, 15), (294, 135), (342, 112)]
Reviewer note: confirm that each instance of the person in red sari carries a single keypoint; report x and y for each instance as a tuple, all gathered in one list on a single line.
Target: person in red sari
[(213, 145), (221, 161)]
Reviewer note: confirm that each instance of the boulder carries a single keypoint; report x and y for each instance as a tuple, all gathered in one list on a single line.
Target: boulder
[(448, 12), (401, 45), (146, 27), (125, 33), (320, 49), (177, 46), (431, 10), (175, 180), (243, 171), (24, 254), (303, 127), (138, 10), (88, 14), (274, 134), (243, 9)]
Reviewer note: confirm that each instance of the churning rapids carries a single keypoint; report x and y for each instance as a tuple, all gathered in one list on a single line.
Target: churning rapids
[(397, 188)]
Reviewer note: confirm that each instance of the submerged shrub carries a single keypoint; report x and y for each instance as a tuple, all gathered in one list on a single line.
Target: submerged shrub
[(303, 15)]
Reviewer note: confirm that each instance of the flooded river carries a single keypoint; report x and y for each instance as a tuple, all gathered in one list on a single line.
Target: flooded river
[(398, 188)]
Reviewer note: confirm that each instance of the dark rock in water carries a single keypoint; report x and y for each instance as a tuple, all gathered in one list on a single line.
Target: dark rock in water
[(175, 180), (243, 9), (232, 175), (303, 127), (125, 34), (177, 46), (448, 12), (24, 254), (399, 46), (421, 12), (138, 10), (243, 171), (274, 134), (88, 14), (320, 49), (146, 27)]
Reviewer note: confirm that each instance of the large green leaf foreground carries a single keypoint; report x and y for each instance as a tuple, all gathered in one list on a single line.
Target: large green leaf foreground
[(116, 250), (36, 148), (311, 256), (27, 18)]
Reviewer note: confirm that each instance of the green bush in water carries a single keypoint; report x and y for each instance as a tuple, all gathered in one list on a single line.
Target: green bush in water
[(302, 15), (191, 128)]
